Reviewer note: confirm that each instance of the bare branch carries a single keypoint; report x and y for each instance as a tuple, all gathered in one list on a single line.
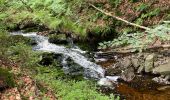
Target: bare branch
[(118, 18)]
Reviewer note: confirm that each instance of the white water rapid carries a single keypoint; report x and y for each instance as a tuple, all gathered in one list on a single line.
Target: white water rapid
[(76, 54)]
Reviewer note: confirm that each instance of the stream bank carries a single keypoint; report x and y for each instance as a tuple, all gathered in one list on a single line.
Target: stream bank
[(144, 76), (133, 70)]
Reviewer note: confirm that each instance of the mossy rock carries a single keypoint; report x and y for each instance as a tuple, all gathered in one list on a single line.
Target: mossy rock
[(30, 29), (6, 79), (58, 39), (51, 59), (14, 39), (47, 59)]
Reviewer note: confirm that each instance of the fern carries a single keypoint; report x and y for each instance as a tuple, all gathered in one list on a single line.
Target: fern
[(138, 40), (142, 7)]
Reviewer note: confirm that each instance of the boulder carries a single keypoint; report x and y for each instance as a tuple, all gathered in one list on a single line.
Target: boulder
[(58, 39), (126, 63), (149, 63), (128, 74), (135, 62), (141, 66), (51, 59), (46, 59), (162, 69)]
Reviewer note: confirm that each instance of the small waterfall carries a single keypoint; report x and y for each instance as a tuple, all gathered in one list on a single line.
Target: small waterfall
[(91, 70), (43, 44)]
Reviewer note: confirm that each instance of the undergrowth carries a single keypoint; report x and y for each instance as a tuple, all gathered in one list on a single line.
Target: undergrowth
[(69, 89), (140, 40)]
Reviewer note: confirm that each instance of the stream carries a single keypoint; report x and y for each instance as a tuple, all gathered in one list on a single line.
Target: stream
[(141, 88)]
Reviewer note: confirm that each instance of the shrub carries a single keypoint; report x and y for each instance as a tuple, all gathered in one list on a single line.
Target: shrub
[(70, 89), (6, 79), (24, 55), (139, 40)]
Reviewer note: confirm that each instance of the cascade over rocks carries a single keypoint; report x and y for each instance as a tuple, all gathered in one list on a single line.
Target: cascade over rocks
[(71, 56)]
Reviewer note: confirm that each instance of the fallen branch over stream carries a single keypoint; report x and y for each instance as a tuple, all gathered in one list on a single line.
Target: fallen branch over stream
[(120, 19)]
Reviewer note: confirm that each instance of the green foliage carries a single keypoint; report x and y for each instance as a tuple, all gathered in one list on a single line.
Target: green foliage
[(23, 54), (18, 49), (115, 3), (70, 89), (154, 12), (70, 26), (139, 40), (142, 7), (6, 78), (146, 14), (6, 41), (133, 1), (54, 14)]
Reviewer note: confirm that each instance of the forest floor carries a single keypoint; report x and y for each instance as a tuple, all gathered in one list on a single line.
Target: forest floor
[(25, 86)]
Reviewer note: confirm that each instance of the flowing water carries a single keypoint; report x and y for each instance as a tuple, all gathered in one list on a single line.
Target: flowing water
[(139, 89), (95, 71)]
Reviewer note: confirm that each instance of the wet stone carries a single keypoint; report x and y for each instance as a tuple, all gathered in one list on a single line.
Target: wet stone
[(162, 69), (161, 80), (135, 62), (126, 63), (58, 39), (128, 75), (105, 82), (149, 62)]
